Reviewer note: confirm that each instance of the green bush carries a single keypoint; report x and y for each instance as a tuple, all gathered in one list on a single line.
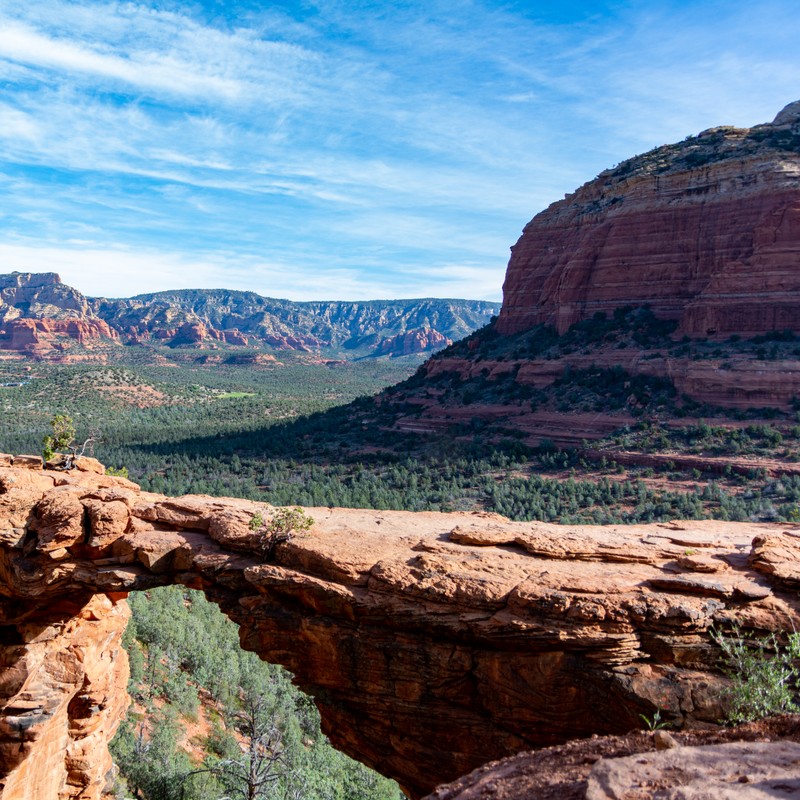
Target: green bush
[(280, 527), (764, 674)]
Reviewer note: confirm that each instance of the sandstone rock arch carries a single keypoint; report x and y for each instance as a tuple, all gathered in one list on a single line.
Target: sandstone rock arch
[(431, 642)]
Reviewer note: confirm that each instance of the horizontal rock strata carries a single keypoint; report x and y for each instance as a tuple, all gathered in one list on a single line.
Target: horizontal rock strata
[(431, 642), (707, 232)]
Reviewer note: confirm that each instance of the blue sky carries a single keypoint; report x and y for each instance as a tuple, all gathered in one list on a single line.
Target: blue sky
[(345, 149)]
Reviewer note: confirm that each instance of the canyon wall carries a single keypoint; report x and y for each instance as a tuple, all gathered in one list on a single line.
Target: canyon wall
[(36, 337), (680, 267), (431, 642), (706, 231)]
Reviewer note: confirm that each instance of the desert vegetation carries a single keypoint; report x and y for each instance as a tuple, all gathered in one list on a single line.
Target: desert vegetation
[(210, 720), (307, 433)]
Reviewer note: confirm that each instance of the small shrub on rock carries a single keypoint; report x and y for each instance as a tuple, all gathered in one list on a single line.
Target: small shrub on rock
[(280, 527)]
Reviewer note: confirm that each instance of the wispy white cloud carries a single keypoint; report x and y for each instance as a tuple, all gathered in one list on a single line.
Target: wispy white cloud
[(359, 141), (18, 125), (84, 264), (23, 45)]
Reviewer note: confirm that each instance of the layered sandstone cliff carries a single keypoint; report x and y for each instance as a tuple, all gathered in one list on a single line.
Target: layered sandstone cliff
[(39, 315), (420, 340), (39, 296), (431, 642), (41, 336), (706, 231)]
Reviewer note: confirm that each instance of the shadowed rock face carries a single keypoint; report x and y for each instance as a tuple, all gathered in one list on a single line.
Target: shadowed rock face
[(706, 231), (432, 642)]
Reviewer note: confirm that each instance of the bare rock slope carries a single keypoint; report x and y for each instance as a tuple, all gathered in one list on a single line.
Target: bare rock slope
[(432, 642)]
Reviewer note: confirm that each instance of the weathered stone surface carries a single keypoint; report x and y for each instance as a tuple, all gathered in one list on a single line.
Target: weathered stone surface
[(31, 462), (779, 555), (108, 520), (431, 642), (63, 684), (735, 771), (59, 519), (615, 766)]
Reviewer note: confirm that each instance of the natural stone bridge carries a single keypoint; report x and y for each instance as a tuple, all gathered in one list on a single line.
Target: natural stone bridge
[(432, 643)]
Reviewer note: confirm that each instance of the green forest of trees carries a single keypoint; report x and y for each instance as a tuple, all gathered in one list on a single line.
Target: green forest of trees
[(212, 721), (258, 737)]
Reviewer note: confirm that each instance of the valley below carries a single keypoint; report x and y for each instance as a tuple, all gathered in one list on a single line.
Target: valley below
[(467, 530)]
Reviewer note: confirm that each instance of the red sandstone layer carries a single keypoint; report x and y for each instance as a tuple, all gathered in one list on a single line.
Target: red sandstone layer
[(40, 335), (706, 232)]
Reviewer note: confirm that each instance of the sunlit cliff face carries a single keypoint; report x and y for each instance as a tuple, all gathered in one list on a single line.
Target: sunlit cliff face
[(705, 232)]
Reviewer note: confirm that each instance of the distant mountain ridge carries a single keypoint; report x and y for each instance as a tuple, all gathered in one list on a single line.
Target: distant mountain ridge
[(39, 313)]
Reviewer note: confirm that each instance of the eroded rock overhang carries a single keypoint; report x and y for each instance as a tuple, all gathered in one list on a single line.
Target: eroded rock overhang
[(431, 642)]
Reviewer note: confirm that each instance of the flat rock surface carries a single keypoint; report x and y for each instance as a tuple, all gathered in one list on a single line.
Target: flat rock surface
[(740, 770), (750, 762)]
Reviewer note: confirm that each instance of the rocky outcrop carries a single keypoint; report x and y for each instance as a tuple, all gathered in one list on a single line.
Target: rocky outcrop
[(421, 340), (42, 336), (707, 232), (431, 642), (764, 768), (39, 296), (190, 333), (39, 316), (748, 762), (64, 691), (235, 337)]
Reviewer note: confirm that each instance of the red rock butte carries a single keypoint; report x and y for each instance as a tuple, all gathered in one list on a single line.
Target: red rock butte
[(706, 232), (431, 642)]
